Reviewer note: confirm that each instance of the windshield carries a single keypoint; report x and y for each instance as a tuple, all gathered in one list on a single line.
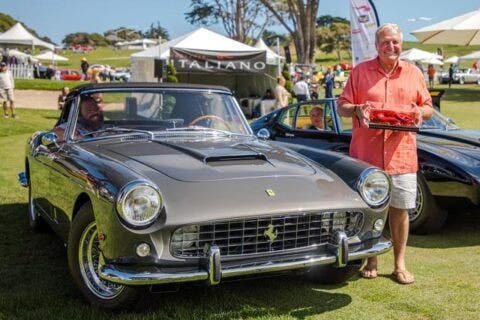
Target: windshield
[(175, 111), (439, 122)]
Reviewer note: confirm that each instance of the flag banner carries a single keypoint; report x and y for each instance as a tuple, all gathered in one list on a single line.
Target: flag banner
[(364, 23), (214, 61)]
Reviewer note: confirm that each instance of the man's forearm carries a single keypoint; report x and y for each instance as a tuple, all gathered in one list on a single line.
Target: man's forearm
[(347, 109)]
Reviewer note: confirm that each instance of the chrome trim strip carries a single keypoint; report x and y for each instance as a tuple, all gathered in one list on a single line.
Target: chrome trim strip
[(117, 274)]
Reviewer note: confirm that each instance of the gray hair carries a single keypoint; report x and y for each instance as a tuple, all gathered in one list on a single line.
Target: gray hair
[(388, 26)]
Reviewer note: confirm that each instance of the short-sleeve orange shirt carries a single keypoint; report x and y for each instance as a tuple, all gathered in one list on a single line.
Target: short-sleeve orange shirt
[(393, 151)]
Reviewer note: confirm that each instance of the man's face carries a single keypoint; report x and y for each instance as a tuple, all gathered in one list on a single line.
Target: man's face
[(91, 112), (316, 117), (389, 46)]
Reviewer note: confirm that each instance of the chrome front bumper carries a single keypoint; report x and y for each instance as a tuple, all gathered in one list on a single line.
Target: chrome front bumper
[(213, 271)]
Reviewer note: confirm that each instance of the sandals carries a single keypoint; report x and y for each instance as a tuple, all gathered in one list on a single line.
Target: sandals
[(403, 277)]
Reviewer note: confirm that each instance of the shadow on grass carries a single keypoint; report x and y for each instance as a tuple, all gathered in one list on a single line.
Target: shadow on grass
[(457, 93), (460, 230), (35, 283)]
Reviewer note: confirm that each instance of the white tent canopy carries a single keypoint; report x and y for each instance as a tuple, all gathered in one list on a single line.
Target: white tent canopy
[(50, 56), (415, 54), (461, 30), (19, 35), (200, 39), (204, 41), (136, 44), (471, 56), (433, 61), (453, 59), (272, 57)]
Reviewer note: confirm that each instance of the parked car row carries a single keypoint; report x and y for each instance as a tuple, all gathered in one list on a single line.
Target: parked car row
[(461, 76)]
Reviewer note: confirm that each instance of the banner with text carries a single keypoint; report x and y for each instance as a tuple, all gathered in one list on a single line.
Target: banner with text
[(213, 61), (364, 23)]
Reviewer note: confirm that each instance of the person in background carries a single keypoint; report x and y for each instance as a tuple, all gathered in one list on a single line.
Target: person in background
[(316, 119), (281, 94), (450, 75), (390, 83), (62, 97), (268, 95), (84, 66), (301, 89), (431, 75), (7, 85), (328, 80)]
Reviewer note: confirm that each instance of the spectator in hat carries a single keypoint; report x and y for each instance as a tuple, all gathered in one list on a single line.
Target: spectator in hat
[(84, 66), (7, 85)]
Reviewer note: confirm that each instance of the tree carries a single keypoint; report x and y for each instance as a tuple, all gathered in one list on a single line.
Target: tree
[(85, 38), (171, 73), (270, 38), (334, 36), (241, 19), (299, 19), (327, 20), (288, 78), (156, 31)]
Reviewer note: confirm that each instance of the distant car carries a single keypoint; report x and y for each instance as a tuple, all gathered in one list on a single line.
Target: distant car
[(175, 188), (448, 156), (120, 75), (461, 76), (70, 75)]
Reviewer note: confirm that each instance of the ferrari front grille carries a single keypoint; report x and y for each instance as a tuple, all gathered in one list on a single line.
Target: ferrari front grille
[(263, 234)]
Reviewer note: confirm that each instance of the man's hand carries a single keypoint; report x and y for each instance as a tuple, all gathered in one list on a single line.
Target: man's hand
[(362, 112)]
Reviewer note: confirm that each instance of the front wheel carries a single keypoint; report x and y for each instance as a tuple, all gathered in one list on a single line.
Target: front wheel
[(83, 258), (461, 81), (332, 275), (427, 217)]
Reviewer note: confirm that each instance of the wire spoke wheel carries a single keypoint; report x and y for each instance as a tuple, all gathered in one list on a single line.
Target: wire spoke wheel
[(88, 258), (413, 214)]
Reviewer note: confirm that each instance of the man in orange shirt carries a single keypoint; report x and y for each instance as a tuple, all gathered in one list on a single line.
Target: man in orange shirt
[(386, 82)]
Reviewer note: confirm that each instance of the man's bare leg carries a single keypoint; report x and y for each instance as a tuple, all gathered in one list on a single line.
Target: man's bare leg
[(399, 227)]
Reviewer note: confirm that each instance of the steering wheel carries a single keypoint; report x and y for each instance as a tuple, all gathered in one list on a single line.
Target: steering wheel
[(210, 116)]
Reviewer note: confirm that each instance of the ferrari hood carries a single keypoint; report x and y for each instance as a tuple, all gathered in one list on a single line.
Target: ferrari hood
[(213, 159)]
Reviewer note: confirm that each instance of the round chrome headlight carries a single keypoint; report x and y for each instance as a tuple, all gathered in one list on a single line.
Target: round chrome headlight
[(374, 187), (139, 203)]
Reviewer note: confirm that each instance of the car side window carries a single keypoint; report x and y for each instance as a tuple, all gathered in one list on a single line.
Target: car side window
[(345, 124), (287, 117)]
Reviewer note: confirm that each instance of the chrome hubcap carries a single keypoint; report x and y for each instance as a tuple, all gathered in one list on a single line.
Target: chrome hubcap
[(88, 257), (413, 214)]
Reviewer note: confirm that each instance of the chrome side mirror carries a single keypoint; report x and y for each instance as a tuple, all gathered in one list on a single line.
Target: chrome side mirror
[(49, 140), (263, 133)]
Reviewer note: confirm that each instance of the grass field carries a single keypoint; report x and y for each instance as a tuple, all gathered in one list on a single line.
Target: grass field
[(35, 283)]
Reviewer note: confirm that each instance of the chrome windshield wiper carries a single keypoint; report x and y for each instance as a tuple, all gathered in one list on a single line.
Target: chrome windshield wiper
[(118, 130), (203, 130)]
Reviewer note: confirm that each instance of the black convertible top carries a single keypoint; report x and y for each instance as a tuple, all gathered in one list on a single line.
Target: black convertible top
[(144, 85)]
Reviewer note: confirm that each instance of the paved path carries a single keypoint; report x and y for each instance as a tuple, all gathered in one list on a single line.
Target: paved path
[(36, 99)]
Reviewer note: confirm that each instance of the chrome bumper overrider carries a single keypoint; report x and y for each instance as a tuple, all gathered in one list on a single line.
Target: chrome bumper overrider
[(213, 271)]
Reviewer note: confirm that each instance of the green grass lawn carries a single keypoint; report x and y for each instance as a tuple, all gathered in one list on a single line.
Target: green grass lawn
[(35, 282)]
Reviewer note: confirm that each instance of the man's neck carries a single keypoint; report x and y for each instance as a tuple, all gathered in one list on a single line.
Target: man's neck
[(388, 68)]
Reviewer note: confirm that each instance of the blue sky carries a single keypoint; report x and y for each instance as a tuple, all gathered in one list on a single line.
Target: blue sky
[(56, 18)]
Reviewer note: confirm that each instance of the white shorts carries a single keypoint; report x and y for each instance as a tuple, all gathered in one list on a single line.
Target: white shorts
[(6, 94), (404, 191)]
